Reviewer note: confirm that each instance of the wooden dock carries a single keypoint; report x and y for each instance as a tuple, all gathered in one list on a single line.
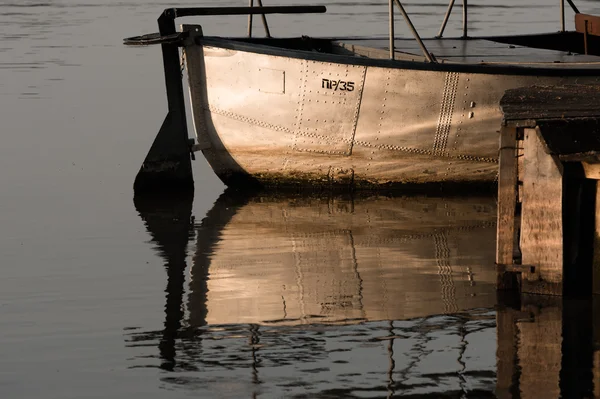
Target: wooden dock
[(548, 197)]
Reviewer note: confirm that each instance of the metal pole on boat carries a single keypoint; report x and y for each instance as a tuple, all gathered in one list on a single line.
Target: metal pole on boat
[(575, 10), (414, 32), (465, 15), (392, 49), (264, 20), (250, 4), (168, 166), (562, 15), (445, 21)]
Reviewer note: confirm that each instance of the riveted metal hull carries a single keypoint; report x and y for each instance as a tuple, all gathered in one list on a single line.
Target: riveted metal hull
[(285, 120)]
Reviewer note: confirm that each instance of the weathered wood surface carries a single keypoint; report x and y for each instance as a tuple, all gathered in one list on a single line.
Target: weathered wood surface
[(541, 218), (572, 136), (507, 198), (591, 170), (591, 157), (537, 103), (593, 24)]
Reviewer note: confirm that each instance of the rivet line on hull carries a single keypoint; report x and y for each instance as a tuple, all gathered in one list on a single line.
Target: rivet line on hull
[(447, 109), (366, 144)]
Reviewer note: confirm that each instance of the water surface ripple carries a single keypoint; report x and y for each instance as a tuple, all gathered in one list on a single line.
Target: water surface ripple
[(229, 296)]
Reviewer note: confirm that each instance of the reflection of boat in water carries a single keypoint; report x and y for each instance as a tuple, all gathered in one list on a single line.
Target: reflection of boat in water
[(298, 260), (374, 297), (297, 286)]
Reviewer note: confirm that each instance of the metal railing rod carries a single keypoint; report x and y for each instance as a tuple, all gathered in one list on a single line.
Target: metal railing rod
[(573, 6), (192, 11), (414, 32), (562, 15), (250, 16), (445, 21), (465, 16), (264, 20), (392, 36)]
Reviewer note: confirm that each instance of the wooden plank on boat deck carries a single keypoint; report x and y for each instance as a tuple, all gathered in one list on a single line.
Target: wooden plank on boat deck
[(480, 50)]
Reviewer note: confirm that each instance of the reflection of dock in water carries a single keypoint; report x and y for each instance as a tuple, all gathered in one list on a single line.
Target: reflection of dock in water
[(301, 260)]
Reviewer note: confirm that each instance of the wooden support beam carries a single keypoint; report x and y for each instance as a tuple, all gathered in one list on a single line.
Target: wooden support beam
[(591, 170), (507, 199), (541, 218)]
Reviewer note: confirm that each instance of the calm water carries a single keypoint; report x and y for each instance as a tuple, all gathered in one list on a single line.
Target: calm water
[(228, 296)]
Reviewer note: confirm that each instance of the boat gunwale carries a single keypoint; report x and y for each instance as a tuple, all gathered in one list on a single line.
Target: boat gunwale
[(479, 68)]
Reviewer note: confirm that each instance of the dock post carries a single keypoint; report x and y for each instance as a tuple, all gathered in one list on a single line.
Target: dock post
[(168, 166), (556, 229), (542, 217), (507, 201)]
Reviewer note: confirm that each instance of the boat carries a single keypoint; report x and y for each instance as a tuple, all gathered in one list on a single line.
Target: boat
[(349, 112)]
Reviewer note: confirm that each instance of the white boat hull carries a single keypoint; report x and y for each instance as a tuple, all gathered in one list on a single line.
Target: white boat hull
[(283, 120)]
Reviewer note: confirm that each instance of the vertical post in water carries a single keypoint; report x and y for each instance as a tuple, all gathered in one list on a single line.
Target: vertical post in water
[(562, 15), (264, 20), (392, 49), (250, 4), (168, 165), (507, 205), (465, 16)]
